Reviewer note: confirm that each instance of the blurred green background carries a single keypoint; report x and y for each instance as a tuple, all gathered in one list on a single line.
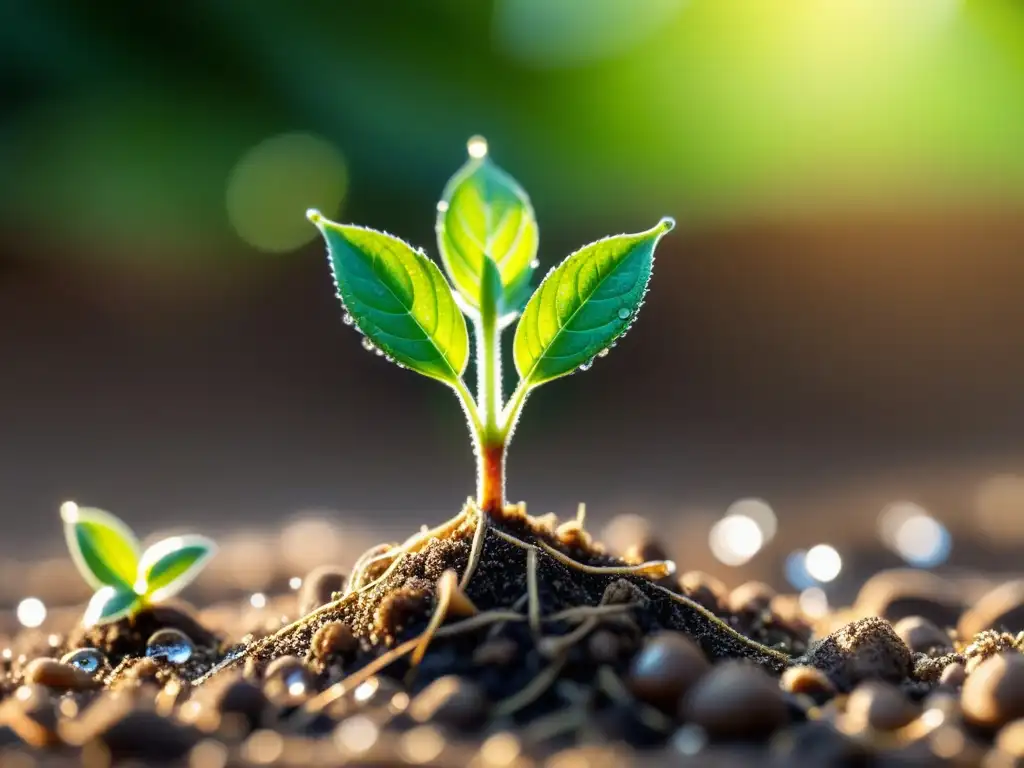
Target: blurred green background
[(837, 323)]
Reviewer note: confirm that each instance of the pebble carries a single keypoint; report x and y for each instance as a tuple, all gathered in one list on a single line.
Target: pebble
[(319, 586), (953, 675), (704, 589), (31, 713), (753, 597), (450, 701), (335, 638), (898, 593), (1010, 740), (993, 694), (241, 698), (922, 635), (808, 681), (146, 736), (736, 701), (862, 650), (54, 674), (667, 667), (880, 705), (817, 743), (1001, 608)]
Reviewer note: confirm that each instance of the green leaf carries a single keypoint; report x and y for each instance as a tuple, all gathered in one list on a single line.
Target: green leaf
[(104, 548), (110, 604), (484, 212), (168, 566), (584, 304), (398, 298)]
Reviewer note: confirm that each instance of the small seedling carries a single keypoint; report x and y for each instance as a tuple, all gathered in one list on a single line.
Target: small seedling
[(487, 237), (126, 579)]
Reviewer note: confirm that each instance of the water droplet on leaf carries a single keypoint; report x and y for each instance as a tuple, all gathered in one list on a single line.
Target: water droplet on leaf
[(170, 645), (477, 147), (586, 366), (534, 263), (347, 319), (89, 660), (442, 206), (367, 344), (604, 352), (624, 314)]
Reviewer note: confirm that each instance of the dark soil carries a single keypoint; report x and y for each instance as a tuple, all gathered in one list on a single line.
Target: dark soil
[(632, 669)]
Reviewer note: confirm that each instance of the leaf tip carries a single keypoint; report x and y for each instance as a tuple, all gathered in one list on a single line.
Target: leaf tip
[(476, 147), (314, 216), (69, 512), (667, 224)]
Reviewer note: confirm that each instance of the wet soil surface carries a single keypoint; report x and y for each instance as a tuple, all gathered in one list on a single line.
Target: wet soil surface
[(554, 653)]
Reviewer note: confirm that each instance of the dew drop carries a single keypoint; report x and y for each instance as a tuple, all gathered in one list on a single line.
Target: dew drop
[(586, 366), (477, 147), (604, 352), (624, 314), (347, 319), (367, 344), (170, 645), (296, 682), (89, 660), (442, 206), (378, 352), (534, 263)]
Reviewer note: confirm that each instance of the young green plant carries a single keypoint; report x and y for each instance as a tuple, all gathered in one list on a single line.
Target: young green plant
[(487, 237), (127, 579)]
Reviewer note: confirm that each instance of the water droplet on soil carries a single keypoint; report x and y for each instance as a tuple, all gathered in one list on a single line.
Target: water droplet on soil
[(86, 659), (170, 645), (624, 314)]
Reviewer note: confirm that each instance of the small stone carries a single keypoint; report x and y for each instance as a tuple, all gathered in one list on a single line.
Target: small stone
[(333, 639), (146, 736), (898, 593), (451, 701), (287, 680), (319, 586), (921, 635), (667, 667), (704, 589), (928, 669), (736, 701), (808, 681), (953, 675), (1010, 740), (993, 694), (1001, 609), (862, 650), (31, 713), (54, 674), (242, 698), (879, 705), (753, 597)]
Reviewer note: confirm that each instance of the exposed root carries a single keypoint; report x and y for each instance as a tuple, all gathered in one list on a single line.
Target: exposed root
[(533, 591), (655, 569), (445, 587)]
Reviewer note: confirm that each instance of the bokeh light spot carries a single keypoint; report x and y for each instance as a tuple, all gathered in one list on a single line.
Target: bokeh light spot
[(31, 612), (923, 541), (276, 181), (760, 512), (735, 539), (823, 562), (813, 602)]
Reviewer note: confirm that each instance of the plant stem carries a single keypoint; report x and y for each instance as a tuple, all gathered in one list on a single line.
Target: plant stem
[(490, 446)]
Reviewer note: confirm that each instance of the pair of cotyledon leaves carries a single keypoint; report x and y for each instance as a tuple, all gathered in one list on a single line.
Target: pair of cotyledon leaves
[(487, 237), (126, 578)]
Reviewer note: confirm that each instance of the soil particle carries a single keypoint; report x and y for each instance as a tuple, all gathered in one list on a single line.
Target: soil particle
[(993, 694), (54, 674), (667, 667), (704, 590), (808, 681), (987, 644), (922, 635), (862, 650), (879, 705), (319, 588), (736, 701), (334, 640)]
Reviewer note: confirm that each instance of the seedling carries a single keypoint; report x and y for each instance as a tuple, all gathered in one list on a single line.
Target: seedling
[(487, 238), (126, 579)]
